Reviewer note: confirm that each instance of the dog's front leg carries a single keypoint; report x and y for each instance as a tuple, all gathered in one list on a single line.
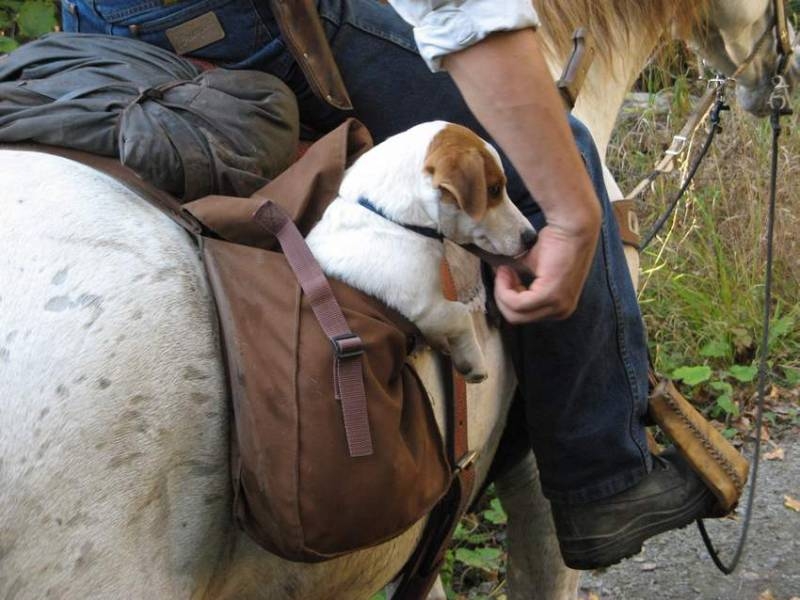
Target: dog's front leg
[(448, 327)]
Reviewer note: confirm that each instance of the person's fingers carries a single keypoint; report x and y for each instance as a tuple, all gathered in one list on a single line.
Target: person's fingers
[(507, 279)]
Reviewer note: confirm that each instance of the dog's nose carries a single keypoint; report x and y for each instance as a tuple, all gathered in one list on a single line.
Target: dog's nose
[(528, 238)]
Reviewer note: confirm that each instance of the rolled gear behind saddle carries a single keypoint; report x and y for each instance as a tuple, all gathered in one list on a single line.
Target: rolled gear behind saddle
[(187, 131)]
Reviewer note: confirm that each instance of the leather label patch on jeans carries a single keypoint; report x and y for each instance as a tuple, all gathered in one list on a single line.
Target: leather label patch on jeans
[(197, 33)]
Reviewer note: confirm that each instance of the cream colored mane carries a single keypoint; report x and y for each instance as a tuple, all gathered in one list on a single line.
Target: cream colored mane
[(612, 22)]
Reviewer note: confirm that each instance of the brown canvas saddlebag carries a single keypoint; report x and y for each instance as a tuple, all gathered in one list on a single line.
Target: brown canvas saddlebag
[(306, 487)]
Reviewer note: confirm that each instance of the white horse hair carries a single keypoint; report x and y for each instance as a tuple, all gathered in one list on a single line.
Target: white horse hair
[(113, 415)]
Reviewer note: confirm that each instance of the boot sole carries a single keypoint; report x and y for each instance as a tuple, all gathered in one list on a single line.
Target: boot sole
[(603, 551)]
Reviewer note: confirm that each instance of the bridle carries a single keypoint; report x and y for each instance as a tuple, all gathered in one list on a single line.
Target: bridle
[(713, 102), (779, 31)]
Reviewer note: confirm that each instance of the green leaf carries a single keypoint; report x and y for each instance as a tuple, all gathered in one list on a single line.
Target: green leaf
[(730, 433), (379, 596), (721, 386), (487, 559), (495, 513), (792, 376), (7, 45), (716, 349), (461, 533), (727, 405), (478, 538), (778, 328), (743, 373), (692, 375), (36, 17)]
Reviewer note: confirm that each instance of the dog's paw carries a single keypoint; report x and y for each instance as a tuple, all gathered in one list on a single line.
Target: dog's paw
[(472, 373), (476, 377)]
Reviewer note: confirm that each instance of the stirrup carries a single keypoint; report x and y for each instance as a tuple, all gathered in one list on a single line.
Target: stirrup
[(723, 469)]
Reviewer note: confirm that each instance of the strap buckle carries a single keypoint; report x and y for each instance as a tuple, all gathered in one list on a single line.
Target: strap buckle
[(466, 460), (347, 345), (677, 146)]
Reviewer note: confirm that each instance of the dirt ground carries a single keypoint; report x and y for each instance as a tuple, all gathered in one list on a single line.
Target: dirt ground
[(676, 566)]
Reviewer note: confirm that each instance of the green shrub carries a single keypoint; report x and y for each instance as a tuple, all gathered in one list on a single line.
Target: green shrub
[(24, 20)]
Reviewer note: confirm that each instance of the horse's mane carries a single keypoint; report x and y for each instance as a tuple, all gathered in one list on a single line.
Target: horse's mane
[(612, 22)]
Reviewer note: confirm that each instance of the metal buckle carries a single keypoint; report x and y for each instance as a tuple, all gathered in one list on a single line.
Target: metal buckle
[(347, 345), (779, 99), (677, 146), (466, 460)]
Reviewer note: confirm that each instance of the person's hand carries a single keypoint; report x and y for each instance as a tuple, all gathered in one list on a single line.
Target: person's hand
[(560, 262)]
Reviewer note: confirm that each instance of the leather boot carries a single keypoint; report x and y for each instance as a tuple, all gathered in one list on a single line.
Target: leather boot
[(602, 533)]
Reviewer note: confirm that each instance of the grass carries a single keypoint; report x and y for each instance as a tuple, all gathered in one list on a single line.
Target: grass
[(702, 278)]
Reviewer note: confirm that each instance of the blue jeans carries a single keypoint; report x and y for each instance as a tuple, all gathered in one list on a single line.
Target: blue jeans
[(583, 381)]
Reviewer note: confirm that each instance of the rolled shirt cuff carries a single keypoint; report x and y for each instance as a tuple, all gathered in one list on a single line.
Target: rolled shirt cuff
[(451, 28)]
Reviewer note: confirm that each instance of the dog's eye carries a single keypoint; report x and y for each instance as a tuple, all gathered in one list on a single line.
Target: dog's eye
[(495, 190)]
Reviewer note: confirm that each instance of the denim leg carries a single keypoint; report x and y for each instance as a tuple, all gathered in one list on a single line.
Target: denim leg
[(583, 380)]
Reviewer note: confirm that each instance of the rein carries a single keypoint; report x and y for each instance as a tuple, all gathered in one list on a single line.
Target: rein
[(780, 107), (779, 103)]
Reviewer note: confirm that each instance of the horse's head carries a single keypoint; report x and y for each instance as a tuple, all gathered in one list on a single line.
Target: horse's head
[(746, 32)]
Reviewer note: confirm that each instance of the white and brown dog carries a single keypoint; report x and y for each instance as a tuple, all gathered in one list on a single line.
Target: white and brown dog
[(383, 233)]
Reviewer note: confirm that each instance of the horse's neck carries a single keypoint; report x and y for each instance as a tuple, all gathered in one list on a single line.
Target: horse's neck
[(605, 87)]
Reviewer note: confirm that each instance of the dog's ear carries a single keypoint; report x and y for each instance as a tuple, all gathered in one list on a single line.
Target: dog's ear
[(462, 176)]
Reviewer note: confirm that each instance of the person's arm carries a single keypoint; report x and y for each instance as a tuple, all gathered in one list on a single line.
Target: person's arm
[(506, 83), (492, 52)]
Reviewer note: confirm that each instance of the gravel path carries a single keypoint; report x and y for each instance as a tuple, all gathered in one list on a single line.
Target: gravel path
[(676, 566)]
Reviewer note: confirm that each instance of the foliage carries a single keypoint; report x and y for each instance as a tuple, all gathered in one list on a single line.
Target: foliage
[(475, 564), (702, 278), (24, 20)]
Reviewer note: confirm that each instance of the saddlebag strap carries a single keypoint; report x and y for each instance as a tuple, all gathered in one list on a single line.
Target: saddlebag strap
[(420, 572), (348, 369), (711, 456)]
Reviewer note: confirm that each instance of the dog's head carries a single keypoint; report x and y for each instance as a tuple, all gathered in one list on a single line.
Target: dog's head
[(445, 177), (474, 207)]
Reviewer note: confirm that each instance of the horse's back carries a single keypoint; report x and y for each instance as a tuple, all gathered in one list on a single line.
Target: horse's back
[(111, 381), (114, 455)]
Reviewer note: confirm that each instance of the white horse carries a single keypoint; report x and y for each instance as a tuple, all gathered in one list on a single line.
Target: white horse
[(113, 414)]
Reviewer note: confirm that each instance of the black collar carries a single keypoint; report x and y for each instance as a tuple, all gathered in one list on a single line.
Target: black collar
[(428, 232)]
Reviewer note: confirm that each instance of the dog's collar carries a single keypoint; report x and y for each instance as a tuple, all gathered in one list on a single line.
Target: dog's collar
[(428, 232)]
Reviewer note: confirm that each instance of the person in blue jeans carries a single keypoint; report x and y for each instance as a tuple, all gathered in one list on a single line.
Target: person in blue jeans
[(578, 339)]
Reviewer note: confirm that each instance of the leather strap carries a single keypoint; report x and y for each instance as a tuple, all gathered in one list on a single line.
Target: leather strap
[(420, 572), (628, 221), (301, 29), (348, 370)]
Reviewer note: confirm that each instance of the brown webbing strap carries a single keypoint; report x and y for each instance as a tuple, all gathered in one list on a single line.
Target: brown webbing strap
[(420, 572), (348, 369)]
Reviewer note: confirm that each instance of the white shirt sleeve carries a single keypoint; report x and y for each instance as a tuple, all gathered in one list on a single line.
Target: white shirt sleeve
[(442, 27)]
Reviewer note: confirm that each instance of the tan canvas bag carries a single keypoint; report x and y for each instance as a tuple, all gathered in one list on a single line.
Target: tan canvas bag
[(306, 487)]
